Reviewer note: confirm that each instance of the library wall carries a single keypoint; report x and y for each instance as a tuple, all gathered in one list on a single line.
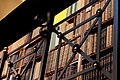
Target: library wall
[(90, 44), (79, 63)]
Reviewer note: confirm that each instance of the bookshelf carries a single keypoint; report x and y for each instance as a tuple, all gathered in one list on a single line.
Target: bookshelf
[(79, 67)]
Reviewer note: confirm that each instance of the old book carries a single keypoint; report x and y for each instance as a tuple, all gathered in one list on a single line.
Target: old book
[(65, 55), (4, 72), (68, 53), (12, 77), (52, 60), (27, 76), (36, 70), (112, 8), (102, 2), (95, 41), (77, 22), (48, 63), (104, 37), (36, 32), (106, 12), (93, 12), (111, 34), (74, 6), (61, 56), (108, 37), (109, 10)]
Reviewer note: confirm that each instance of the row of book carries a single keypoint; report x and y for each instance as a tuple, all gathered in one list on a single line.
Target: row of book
[(87, 13), (105, 62), (90, 44), (22, 52), (65, 54), (72, 69), (26, 74)]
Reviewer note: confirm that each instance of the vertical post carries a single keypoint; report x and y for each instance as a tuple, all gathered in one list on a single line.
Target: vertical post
[(116, 43), (45, 55), (99, 12), (4, 57), (57, 59), (33, 65), (98, 35)]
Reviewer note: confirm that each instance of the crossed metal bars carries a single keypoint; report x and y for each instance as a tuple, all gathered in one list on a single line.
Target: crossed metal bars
[(75, 47)]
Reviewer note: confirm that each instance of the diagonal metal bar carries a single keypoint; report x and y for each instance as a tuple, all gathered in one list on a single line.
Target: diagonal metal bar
[(14, 70), (30, 53), (33, 65), (24, 44), (98, 39), (71, 44), (85, 21), (3, 59), (27, 54), (106, 73), (57, 59), (26, 66), (71, 58), (80, 24), (66, 40), (86, 56), (86, 6), (8, 72), (88, 32), (105, 6), (20, 68), (79, 73)]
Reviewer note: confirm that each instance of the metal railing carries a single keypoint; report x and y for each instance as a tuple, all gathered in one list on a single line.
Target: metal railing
[(45, 36)]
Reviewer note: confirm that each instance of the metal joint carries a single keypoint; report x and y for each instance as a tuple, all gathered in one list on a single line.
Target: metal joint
[(97, 65), (10, 64), (18, 77), (35, 48), (5, 49), (44, 33), (60, 35), (99, 12), (76, 48)]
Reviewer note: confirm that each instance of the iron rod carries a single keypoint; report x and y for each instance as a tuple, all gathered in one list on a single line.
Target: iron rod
[(57, 59), (79, 73), (106, 73), (30, 53), (98, 39), (86, 56), (26, 66), (88, 32), (14, 70), (33, 66), (80, 24), (116, 44), (71, 58), (66, 40), (105, 6), (24, 44), (50, 18), (86, 6)]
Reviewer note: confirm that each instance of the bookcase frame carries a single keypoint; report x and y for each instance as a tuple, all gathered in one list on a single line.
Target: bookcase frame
[(75, 47)]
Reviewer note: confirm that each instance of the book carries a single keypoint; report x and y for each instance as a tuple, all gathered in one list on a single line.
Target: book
[(111, 34), (36, 70), (4, 72), (36, 32)]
